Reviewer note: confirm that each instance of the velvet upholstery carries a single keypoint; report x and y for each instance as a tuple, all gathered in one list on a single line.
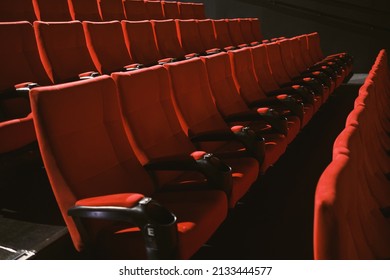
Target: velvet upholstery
[(189, 35), (207, 33), (167, 39), (107, 46), (143, 49), (84, 10), (222, 34), (17, 10), (48, 10), (111, 10), (186, 10), (199, 10), (171, 9), (136, 10)]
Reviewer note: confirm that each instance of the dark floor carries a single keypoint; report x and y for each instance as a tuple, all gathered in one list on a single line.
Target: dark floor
[(273, 221)]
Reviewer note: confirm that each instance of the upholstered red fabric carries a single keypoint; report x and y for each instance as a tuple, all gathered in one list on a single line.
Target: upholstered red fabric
[(207, 34), (143, 49), (186, 10), (17, 10), (256, 29), (199, 10), (136, 10), (84, 10), (262, 68), (171, 9), (246, 30), (189, 36), (63, 50), (48, 10), (167, 38), (111, 10), (154, 9), (87, 154), (222, 34), (107, 46), (236, 33)]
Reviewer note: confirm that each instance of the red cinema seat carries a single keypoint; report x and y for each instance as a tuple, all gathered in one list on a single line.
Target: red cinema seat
[(111, 10), (107, 46), (84, 10), (246, 31), (256, 29), (186, 10), (235, 32), (95, 175), (167, 39), (160, 136), (222, 34), (63, 50), (49, 10), (199, 10), (143, 49), (190, 37), (17, 10), (22, 69), (136, 10), (200, 118), (171, 9), (207, 34)]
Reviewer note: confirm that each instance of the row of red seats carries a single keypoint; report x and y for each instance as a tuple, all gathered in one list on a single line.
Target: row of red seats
[(99, 137), (352, 200), (215, 103), (57, 41), (98, 10), (65, 57)]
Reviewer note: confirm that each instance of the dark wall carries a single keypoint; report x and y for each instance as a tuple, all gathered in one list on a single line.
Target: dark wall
[(360, 27)]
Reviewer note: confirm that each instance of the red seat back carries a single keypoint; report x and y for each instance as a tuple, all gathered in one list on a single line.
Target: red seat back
[(207, 34), (111, 10), (17, 10), (107, 46), (189, 36), (49, 10), (63, 50), (186, 10), (84, 10), (171, 9), (167, 39), (143, 49)]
